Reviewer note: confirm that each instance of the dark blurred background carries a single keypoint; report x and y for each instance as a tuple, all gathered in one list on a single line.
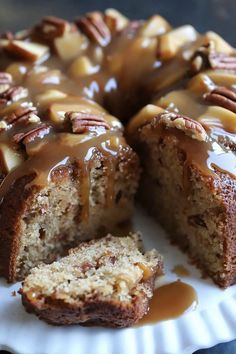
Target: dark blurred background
[(216, 15)]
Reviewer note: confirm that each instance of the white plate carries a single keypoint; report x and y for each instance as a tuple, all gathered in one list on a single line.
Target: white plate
[(212, 322)]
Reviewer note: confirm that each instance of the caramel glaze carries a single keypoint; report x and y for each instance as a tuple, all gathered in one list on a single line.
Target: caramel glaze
[(219, 123), (103, 84), (218, 152), (82, 152), (136, 65), (170, 301)]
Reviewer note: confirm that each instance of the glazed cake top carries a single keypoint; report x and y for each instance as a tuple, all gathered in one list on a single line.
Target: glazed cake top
[(52, 75)]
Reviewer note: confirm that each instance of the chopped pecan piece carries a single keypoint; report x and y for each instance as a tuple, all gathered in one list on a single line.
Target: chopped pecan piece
[(189, 126), (223, 97), (94, 26), (197, 220), (205, 57), (13, 94), (83, 122), (37, 132), (86, 266), (22, 115)]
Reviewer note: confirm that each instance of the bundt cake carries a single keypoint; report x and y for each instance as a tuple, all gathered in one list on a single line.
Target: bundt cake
[(67, 172), (104, 282)]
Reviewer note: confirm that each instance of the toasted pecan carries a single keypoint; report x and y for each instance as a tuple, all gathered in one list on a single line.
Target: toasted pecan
[(20, 114), (94, 26), (223, 97), (51, 27), (37, 132), (82, 122), (13, 94), (206, 57), (188, 125)]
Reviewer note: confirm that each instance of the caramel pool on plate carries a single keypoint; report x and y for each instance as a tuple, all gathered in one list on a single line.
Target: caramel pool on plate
[(170, 301)]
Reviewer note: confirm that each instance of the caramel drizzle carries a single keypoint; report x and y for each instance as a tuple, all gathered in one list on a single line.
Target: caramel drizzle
[(50, 158), (218, 120)]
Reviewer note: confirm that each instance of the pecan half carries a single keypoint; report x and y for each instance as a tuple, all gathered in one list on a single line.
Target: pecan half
[(13, 94), (189, 126), (223, 61), (206, 58), (51, 27), (94, 27), (22, 115), (83, 122), (37, 132), (223, 97)]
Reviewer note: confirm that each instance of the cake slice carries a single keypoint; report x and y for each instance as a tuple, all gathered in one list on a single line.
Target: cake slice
[(189, 165), (105, 282)]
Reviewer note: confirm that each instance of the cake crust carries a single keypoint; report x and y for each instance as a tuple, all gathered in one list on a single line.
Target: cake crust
[(95, 312)]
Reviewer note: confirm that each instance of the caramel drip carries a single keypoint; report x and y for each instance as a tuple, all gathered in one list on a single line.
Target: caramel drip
[(170, 301), (84, 177), (180, 270), (207, 156), (109, 166), (49, 158), (217, 121)]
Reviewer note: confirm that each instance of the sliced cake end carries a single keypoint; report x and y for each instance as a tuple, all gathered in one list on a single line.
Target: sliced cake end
[(105, 282)]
